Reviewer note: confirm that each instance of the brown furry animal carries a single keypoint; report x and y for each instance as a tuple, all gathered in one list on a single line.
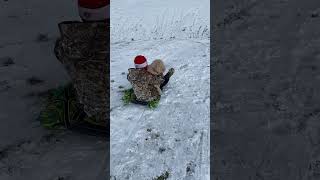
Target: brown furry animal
[(156, 67)]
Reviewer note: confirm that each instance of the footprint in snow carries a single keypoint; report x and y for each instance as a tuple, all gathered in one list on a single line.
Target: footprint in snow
[(6, 61), (4, 86), (34, 81), (184, 66), (42, 37), (190, 169)]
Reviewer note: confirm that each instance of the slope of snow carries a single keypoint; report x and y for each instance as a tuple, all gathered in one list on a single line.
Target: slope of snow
[(174, 137), (28, 151), (145, 20), (23, 22)]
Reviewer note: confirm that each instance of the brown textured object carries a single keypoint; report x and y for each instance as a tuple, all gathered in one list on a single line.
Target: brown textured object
[(83, 49), (145, 85)]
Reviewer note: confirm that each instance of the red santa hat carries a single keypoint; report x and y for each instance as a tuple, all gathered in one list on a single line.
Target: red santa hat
[(94, 10), (140, 61)]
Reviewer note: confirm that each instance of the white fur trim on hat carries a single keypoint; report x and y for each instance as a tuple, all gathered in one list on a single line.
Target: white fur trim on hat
[(94, 14), (143, 65)]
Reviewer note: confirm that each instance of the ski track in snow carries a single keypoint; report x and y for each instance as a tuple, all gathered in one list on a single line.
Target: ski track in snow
[(174, 137)]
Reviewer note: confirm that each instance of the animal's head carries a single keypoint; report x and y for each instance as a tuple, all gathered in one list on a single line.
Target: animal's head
[(156, 67)]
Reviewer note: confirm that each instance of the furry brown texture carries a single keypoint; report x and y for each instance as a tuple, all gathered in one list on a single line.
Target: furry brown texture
[(146, 86), (156, 67), (83, 50)]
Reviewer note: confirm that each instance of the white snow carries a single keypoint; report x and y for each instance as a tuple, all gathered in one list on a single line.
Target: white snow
[(32, 152), (22, 22), (174, 137), (145, 20)]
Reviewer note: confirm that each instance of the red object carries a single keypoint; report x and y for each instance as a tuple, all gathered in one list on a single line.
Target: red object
[(94, 10), (140, 61), (93, 4)]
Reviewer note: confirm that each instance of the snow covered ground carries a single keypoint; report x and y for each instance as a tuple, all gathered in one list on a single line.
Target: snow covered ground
[(266, 67), (28, 68), (149, 20), (174, 137)]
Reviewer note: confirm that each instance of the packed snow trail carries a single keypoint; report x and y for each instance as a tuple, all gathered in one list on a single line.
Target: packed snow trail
[(174, 137)]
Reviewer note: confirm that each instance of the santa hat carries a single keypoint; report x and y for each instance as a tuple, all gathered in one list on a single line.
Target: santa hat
[(140, 61), (94, 10)]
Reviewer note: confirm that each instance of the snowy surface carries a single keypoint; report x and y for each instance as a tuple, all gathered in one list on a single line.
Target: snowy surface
[(149, 20), (174, 137), (27, 151), (266, 70)]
